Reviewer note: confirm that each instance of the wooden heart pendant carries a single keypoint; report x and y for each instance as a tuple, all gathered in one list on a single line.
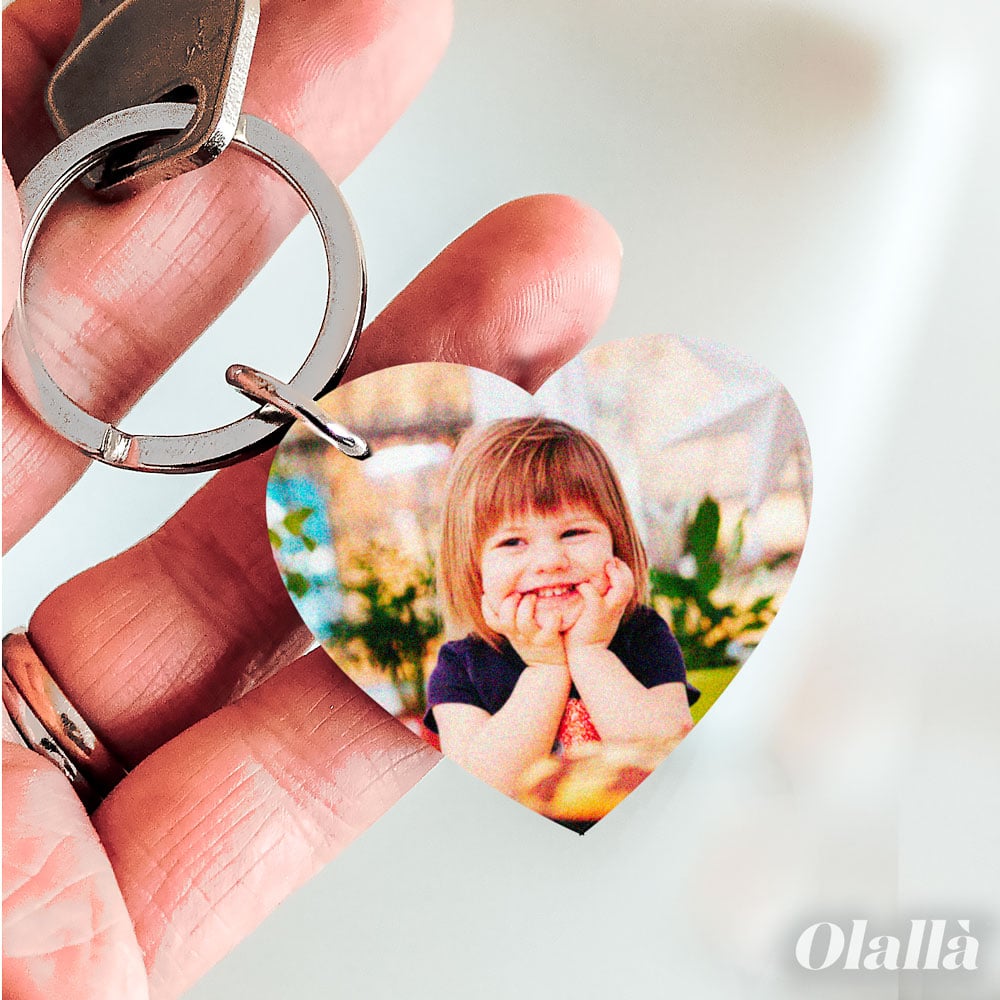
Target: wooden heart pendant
[(550, 588)]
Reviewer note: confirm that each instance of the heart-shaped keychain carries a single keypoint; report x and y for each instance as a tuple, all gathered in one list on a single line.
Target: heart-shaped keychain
[(551, 588)]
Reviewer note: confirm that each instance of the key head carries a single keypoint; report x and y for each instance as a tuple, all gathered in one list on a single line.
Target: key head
[(142, 51)]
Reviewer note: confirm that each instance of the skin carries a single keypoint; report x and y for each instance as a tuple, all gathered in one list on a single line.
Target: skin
[(554, 589), (536, 571), (251, 765)]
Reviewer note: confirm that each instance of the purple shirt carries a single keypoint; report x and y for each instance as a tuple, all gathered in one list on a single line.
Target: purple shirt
[(470, 671)]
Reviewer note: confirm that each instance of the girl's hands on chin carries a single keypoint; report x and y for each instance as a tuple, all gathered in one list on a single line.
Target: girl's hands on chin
[(603, 607), (536, 635)]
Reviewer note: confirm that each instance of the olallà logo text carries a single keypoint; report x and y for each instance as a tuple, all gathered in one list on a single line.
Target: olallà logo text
[(926, 945)]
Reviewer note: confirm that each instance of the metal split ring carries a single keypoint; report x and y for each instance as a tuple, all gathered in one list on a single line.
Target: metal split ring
[(321, 370)]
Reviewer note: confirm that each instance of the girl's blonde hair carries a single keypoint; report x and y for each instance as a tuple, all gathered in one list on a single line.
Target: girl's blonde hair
[(505, 470)]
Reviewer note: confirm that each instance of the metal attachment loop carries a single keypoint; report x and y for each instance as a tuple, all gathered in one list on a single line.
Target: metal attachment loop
[(321, 370)]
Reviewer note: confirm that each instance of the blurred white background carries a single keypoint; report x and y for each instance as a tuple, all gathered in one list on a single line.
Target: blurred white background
[(814, 183)]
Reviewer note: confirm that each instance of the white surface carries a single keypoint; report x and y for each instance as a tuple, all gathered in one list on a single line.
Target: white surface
[(814, 184)]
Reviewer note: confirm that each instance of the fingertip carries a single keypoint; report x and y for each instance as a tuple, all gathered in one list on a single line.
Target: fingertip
[(578, 257), (518, 294), (524, 610), (551, 627)]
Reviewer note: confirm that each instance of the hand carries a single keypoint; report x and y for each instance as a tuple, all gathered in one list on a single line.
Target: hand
[(604, 604), (184, 652), (535, 635)]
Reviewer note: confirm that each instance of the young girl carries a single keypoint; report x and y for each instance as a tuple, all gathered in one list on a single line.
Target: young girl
[(543, 578)]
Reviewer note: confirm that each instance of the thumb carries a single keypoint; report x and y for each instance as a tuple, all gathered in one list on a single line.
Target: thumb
[(66, 929)]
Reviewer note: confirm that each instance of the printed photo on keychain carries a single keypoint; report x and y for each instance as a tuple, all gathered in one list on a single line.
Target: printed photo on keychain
[(552, 589)]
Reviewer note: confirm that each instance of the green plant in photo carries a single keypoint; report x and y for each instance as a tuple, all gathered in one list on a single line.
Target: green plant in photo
[(292, 525), (711, 633), (390, 619)]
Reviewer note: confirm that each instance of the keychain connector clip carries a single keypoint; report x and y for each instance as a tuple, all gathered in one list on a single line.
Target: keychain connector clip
[(269, 391)]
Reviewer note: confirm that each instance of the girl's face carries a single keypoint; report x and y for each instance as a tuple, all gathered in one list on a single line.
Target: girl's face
[(548, 555)]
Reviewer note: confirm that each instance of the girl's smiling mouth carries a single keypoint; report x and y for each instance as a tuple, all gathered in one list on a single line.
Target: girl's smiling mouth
[(553, 590)]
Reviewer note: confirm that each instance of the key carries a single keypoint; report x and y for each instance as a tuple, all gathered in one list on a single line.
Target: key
[(140, 51)]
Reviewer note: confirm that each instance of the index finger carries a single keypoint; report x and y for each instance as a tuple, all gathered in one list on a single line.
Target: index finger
[(142, 279)]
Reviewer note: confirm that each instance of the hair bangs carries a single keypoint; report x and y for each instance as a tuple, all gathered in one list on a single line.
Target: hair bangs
[(540, 474)]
